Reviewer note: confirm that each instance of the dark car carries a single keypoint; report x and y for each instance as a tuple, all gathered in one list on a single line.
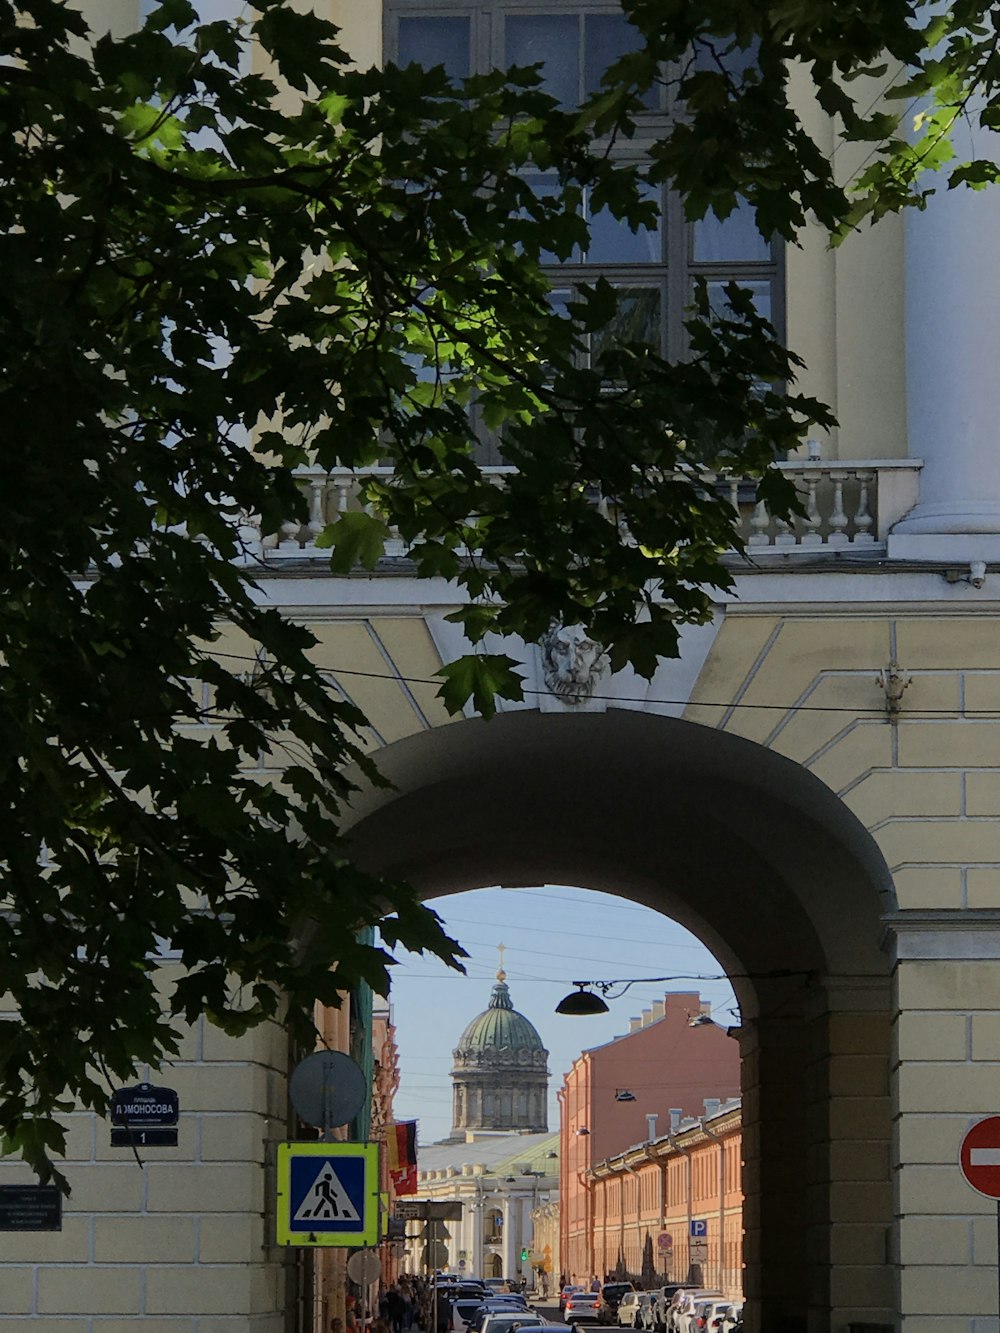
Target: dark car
[(611, 1294), (662, 1297)]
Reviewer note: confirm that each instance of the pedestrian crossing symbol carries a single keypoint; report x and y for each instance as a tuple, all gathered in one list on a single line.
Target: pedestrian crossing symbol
[(326, 1200), (327, 1194)]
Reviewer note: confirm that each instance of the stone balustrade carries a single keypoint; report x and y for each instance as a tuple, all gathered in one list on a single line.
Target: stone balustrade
[(847, 506)]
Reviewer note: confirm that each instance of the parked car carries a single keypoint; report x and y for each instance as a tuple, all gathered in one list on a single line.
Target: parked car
[(628, 1308), (660, 1304), (611, 1294), (633, 1309), (687, 1314), (497, 1305), (706, 1313), (726, 1319), (463, 1311), (506, 1321), (646, 1312), (565, 1294), (584, 1307)]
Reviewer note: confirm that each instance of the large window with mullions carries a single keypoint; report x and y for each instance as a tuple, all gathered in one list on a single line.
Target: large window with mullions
[(655, 269), (576, 44)]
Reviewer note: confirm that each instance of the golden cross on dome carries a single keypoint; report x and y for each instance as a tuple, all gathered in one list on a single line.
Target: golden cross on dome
[(501, 974)]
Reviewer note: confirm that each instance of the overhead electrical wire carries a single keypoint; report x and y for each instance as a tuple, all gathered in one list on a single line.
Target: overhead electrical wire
[(875, 710)]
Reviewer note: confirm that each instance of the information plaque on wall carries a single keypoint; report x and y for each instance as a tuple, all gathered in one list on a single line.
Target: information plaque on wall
[(30, 1208)]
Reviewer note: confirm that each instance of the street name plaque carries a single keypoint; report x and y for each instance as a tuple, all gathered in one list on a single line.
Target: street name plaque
[(144, 1116), (144, 1104), (30, 1208)]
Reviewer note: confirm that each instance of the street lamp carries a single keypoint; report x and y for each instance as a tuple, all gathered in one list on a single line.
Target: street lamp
[(584, 1001)]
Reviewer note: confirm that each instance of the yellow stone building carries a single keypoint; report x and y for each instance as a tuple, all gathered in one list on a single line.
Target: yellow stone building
[(812, 788)]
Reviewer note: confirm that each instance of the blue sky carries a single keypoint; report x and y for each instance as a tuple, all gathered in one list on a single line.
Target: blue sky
[(553, 935)]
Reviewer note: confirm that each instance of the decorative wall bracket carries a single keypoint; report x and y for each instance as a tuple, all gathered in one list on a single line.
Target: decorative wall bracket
[(893, 679)]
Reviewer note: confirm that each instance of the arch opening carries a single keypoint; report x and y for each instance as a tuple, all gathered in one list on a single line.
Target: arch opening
[(761, 863)]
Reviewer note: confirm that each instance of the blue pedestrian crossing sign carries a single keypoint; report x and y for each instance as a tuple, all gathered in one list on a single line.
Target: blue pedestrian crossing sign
[(327, 1194)]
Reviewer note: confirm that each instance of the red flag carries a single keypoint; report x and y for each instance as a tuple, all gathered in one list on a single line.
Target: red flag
[(405, 1181)]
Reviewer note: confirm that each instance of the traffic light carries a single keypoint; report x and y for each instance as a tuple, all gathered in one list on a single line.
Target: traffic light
[(524, 1255)]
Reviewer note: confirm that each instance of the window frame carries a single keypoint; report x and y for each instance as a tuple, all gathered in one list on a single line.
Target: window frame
[(677, 269)]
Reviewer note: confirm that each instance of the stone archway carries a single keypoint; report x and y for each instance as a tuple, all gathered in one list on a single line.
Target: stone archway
[(765, 865)]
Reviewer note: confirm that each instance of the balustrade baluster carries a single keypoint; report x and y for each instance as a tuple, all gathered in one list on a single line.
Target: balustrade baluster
[(317, 516), (760, 524), (812, 536), (784, 533), (838, 518), (863, 518), (288, 536), (739, 525)]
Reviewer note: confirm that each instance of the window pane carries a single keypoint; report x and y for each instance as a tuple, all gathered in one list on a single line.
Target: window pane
[(733, 240), (613, 242), (554, 41), (546, 187), (637, 320), (436, 41), (607, 37), (760, 293)]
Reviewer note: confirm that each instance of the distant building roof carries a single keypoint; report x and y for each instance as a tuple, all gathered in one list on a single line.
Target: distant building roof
[(507, 1154)]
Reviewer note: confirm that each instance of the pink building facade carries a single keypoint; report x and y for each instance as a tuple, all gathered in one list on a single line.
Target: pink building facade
[(646, 1199), (612, 1092)]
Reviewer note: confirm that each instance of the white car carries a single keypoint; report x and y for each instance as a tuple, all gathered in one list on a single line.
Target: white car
[(506, 1321), (722, 1316), (686, 1319), (463, 1311), (634, 1308), (584, 1306)]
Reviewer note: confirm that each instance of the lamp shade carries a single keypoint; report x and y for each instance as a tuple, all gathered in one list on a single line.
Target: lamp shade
[(580, 1003)]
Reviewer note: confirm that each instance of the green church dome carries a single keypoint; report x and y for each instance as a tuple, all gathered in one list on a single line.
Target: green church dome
[(500, 1077), (499, 1028)]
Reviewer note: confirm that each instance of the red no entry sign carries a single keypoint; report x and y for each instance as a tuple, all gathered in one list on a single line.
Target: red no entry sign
[(980, 1156)]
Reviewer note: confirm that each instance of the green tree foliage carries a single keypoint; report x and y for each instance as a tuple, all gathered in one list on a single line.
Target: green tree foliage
[(214, 277)]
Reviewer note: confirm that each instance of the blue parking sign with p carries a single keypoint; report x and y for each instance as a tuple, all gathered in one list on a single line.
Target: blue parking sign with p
[(327, 1194), (699, 1227)]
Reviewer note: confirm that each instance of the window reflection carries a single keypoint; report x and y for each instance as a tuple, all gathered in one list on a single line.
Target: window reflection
[(731, 240), (723, 56), (719, 304), (436, 41), (608, 37), (531, 39), (637, 320), (612, 241), (547, 187)]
